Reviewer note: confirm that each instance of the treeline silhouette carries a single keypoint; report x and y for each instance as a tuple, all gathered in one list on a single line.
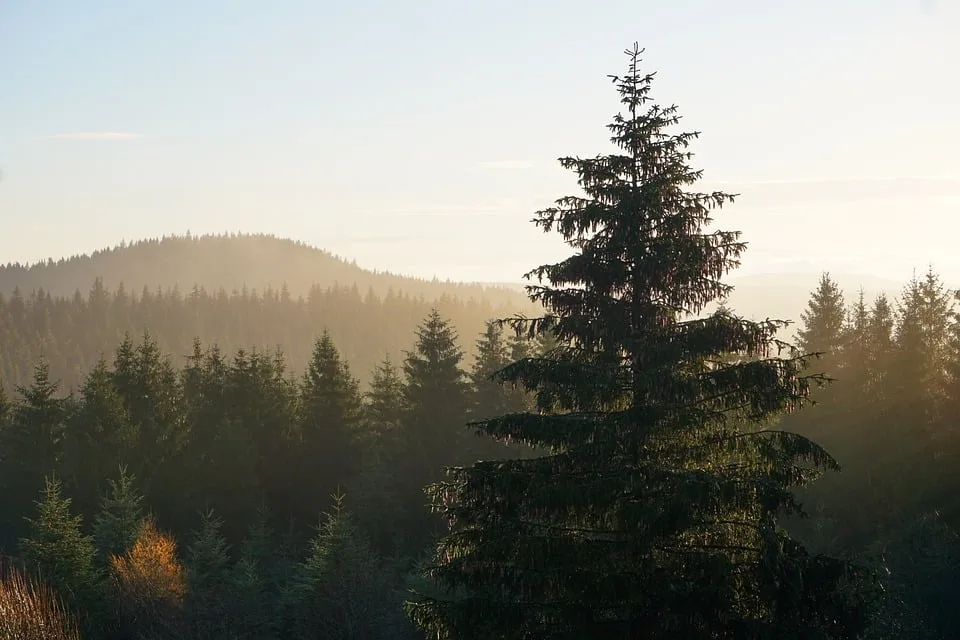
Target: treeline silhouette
[(183, 502), (71, 333), (233, 262), (891, 417)]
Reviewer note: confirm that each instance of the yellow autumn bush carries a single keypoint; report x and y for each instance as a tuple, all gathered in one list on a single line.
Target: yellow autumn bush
[(30, 610), (149, 584)]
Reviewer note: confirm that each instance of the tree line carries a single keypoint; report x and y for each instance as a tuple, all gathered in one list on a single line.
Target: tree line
[(71, 333), (891, 418)]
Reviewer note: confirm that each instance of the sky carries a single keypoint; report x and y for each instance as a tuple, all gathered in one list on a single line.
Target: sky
[(420, 137)]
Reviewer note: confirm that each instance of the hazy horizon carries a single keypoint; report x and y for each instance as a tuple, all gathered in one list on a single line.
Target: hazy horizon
[(420, 139)]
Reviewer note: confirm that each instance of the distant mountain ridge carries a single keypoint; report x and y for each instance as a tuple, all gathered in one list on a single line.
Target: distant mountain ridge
[(232, 262)]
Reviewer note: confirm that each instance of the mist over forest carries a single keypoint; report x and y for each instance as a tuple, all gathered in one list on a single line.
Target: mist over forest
[(704, 385)]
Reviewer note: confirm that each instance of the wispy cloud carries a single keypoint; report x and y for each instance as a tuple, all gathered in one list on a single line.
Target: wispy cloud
[(95, 135), (838, 180), (506, 164)]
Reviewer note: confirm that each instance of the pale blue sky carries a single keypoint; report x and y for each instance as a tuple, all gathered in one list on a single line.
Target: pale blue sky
[(420, 136)]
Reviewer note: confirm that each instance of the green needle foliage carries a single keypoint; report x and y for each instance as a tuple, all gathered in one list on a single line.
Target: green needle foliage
[(653, 512)]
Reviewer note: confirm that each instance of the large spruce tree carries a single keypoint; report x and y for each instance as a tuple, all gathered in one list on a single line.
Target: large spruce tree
[(654, 512)]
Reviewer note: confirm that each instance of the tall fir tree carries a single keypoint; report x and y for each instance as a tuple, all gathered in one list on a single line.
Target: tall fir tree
[(119, 521), (489, 397), (56, 549), (329, 421), (151, 393), (377, 509), (435, 396), (880, 348), (256, 583), (384, 401), (208, 578), (30, 447), (856, 345), (340, 592), (434, 425), (823, 327), (654, 512), (99, 437), (921, 338)]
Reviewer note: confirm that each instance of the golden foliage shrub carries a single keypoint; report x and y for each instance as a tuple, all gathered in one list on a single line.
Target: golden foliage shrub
[(30, 610), (149, 584)]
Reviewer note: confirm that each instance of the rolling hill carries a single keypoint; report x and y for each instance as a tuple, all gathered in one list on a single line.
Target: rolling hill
[(231, 262)]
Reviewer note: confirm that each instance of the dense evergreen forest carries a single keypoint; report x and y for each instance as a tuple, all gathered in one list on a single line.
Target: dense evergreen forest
[(73, 333), (891, 419), (632, 459), (231, 459)]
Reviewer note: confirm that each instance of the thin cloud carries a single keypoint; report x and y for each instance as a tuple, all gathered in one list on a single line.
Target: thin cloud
[(95, 135), (840, 180), (506, 164)]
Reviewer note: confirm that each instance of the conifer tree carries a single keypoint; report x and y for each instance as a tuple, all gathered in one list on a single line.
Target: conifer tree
[(824, 324), (377, 509), (880, 345), (489, 397), (208, 577), (56, 549), (434, 435), (653, 512), (856, 346), (435, 395), (340, 592), (30, 447), (99, 436), (117, 525), (384, 401), (256, 583), (330, 414), (146, 381)]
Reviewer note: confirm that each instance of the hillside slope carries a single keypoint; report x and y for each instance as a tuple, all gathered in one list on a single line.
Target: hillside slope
[(230, 262), (227, 290)]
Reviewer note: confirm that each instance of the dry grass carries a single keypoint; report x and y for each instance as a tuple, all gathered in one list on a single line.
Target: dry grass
[(30, 610)]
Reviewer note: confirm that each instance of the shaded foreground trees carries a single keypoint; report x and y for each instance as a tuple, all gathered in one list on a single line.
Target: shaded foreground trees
[(654, 511), (185, 502)]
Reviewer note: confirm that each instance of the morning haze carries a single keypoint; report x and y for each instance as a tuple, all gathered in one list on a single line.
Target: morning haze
[(270, 368), (418, 137)]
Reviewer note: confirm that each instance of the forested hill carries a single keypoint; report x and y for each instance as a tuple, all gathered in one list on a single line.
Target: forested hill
[(228, 291), (231, 262)]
